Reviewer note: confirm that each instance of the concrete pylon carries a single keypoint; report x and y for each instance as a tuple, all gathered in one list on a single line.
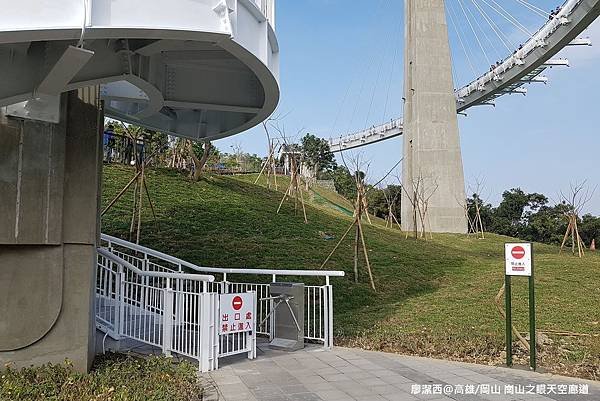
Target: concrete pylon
[(432, 155)]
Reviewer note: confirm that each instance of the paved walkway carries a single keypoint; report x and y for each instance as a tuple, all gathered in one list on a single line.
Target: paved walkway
[(351, 374)]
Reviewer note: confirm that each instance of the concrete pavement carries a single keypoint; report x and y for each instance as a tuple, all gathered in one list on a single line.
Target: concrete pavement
[(352, 374)]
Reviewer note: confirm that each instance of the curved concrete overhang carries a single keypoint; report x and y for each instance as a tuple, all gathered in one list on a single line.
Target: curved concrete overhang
[(199, 69)]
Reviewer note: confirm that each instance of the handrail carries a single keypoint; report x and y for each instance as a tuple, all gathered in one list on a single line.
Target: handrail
[(174, 260), (114, 258)]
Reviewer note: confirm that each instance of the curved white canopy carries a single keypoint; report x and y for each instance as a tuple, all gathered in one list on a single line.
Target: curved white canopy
[(201, 69)]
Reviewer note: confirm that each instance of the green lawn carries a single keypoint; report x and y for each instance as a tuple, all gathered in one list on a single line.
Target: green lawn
[(433, 298)]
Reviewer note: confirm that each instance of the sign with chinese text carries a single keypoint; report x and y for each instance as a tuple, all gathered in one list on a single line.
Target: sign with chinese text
[(518, 259), (236, 313)]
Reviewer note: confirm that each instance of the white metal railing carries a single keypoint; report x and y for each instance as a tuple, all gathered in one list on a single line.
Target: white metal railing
[(136, 285), (171, 311), (366, 134)]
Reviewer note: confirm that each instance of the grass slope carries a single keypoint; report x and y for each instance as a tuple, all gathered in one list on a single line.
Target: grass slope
[(433, 298)]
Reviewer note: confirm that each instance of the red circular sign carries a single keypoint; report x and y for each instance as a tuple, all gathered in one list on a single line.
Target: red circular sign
[(518, 252), (237, 302)]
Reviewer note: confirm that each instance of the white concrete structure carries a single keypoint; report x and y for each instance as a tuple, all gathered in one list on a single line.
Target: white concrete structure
[(197, 69)]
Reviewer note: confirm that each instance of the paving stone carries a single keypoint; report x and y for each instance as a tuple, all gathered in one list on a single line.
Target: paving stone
[(384, 389), (372, 381), (321, 386), (334, 395), (399, 396), (294, 389), (335, 378), (304, 397)]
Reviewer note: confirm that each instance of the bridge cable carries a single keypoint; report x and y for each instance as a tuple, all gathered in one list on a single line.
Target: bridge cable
[(458, 33), (460, 2), (364, 81), (355, 75), (394, 59), (452, 65), (537, 10), (483, 31), (503, 38), (507, 16), (377, 84)]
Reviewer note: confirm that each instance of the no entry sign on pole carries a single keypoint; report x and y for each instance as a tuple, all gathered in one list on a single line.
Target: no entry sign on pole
[(518, 259), (519, 262), (236, 313)]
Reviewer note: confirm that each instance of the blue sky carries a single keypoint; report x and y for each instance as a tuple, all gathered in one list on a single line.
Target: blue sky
[(342, 71)]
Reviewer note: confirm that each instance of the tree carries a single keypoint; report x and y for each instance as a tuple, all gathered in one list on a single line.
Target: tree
[(590, 228), (510, 216), (343, 181), (317, 155), (199, 156), (575, 201)]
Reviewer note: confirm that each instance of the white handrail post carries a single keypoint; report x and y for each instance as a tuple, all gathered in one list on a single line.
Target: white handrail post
[(272, 318), (145, 282), (167, 319), (205, 324), (224, 285), (120, 300), (252, 352), (329, 325)]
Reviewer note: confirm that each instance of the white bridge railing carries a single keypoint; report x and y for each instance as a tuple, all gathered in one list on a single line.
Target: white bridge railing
[(135, 286)]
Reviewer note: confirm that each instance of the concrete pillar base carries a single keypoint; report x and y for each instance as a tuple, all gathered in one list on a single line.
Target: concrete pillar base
[(50, 176)]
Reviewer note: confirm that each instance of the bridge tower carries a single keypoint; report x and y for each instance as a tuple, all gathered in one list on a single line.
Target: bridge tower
[(432, 155)]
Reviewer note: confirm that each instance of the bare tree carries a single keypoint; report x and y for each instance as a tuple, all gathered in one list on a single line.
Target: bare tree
[(575, 200), (422, 189), (270, 165), (294, 190), (476, 222), (358, 167), (390, 200), (464, 204)]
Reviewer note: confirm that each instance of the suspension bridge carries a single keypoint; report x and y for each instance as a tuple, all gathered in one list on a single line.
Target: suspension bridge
[(524, 65), (432, 170)]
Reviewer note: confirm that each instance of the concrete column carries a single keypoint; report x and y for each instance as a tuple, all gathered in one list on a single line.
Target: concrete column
[(50, 177), (432, 153)]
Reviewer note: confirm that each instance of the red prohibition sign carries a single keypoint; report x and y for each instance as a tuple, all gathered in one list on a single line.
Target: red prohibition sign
[(237, 303), (518, 252)]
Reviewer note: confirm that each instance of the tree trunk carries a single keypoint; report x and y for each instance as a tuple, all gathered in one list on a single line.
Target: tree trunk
[(199, 163)]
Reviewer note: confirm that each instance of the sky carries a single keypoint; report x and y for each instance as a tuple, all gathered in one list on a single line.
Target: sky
[(342, 71)]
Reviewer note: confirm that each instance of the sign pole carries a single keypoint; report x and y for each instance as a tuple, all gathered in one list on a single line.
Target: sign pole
[(508, 308), (519, 262), (532, 337)]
